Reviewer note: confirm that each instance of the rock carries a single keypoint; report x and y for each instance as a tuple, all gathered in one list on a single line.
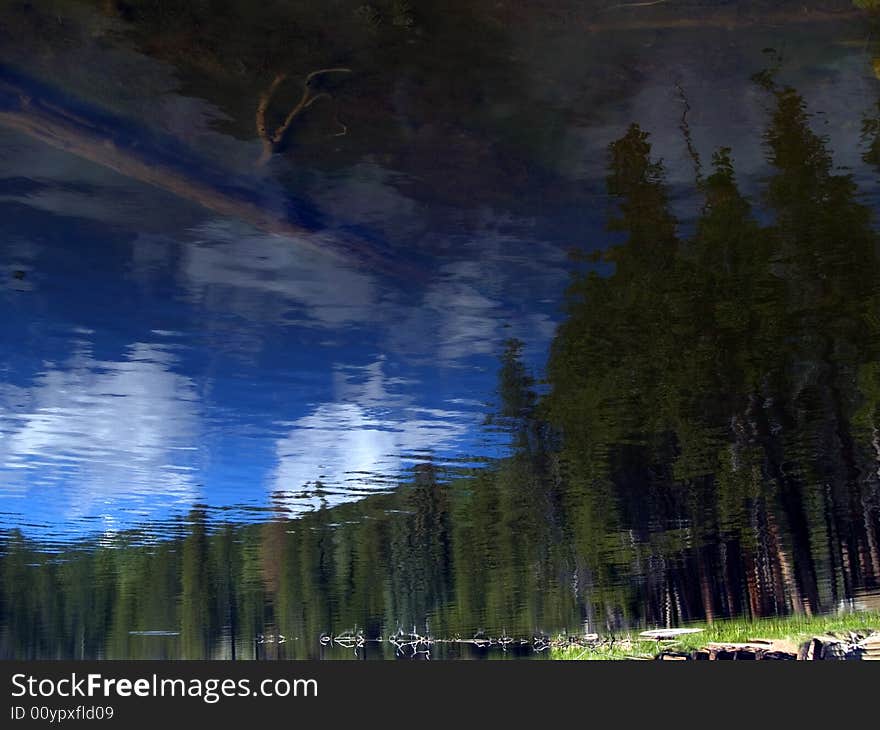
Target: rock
[(782, 646), (870, 647), (828, 647)]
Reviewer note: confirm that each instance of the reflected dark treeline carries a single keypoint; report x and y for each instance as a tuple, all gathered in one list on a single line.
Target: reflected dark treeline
[(708, 446), (718, 394)]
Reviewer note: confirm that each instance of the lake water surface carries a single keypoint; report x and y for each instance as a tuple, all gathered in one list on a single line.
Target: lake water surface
[(457, 319)]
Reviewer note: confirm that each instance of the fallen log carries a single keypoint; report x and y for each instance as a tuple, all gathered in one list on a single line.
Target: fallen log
[(666, 634), (779, 650)]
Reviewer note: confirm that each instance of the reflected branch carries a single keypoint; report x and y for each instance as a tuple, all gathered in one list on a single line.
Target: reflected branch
[(38, 118), (272, 141)]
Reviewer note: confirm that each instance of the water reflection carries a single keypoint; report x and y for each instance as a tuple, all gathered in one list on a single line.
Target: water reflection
[(87, 426), (241, 401), (360, 443)]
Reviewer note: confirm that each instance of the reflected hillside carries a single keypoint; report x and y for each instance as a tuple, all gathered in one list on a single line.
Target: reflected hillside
[(704, 445)]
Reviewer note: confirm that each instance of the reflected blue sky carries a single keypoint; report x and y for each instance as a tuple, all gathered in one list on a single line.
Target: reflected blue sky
[(147, 372), (156, 355), (145, 375)]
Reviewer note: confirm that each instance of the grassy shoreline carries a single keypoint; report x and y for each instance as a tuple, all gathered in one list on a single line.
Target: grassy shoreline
[(795, 630)]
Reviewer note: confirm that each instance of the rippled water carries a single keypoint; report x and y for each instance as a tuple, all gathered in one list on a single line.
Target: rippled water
[(537, 318)]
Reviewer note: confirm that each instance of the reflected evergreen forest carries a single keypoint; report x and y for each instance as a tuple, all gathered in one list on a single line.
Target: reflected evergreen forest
[(702, 443)]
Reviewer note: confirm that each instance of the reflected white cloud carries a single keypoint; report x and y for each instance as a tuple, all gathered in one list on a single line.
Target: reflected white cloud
[(361, 442), (474, 303), (262, 275), (100, 439), (465, 306)]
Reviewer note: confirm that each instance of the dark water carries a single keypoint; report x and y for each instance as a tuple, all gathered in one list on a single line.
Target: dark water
[(535, 318)]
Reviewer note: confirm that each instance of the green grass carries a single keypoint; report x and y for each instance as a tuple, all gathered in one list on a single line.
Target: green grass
[(797, 629)]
